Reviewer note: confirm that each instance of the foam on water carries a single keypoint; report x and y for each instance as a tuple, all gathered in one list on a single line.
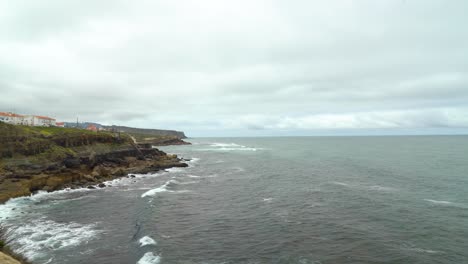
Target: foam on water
[(229, 147), (38, 238), (15, 206), (381, 188), (447, 203), (193, 161), (226, 145), (438, 202), (174, 170), (162, 188), (340, 183), (149, 258), (146, 240)]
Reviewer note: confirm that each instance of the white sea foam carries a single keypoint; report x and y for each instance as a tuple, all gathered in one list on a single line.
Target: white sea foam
[(411, 247), (188, 182), (193, 176), (381, 188), (149, 258), (174, 170), (162, 188), (145, 241), (447, 203), (439, 202), (268, 199), (226, 145), (193, 161), (429, 251), (35, 238), (15, 206), (230, 147), (340, 183)]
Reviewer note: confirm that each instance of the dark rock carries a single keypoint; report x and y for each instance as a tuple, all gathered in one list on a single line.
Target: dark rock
[(72, 162), (132, 176), (91, 187), (101, 185)]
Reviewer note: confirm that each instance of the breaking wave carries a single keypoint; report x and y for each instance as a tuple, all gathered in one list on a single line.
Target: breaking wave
[(149, 258), (145, 241), (162, 188), (229, 147), (40, 237)]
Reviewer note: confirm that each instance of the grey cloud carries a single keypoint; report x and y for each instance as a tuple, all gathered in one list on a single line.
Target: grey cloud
[(244, 65)]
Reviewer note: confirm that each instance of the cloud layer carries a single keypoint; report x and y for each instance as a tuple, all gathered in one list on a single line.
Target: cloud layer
[(204, 66)]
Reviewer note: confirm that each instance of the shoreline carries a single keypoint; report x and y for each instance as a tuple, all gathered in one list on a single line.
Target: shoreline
[(83, 172)]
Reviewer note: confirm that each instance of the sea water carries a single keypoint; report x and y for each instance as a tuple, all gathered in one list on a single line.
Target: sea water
[(263, 200)]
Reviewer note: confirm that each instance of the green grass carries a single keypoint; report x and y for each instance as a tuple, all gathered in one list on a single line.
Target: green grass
[(51, 143)]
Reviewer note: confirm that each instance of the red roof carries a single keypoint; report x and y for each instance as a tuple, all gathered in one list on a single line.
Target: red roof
[(60, 123), (10, 114), (44, 117), (92, 127)]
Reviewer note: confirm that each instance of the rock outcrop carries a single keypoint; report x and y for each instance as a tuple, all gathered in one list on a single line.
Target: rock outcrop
[(146, 131), (82, 171)]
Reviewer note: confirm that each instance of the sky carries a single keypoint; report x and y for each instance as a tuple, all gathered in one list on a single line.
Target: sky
[(240, 68)]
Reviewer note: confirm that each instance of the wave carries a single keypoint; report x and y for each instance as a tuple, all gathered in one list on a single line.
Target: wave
[(381, 188), (447, 203), (188, 182), (364, 187), (146, 240), (193, 161), (438, 202), (162, 188), (229, 147), (198, 177), (37, 238), (340, 183), (411, 247), (149, 258), (174, 170), (226, 145), (14, 206), (429, 251)]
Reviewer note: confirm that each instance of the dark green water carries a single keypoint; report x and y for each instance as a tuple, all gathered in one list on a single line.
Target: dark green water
[(265, 200)]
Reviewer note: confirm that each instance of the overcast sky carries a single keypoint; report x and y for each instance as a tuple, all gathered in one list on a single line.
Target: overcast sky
[(240, 67)]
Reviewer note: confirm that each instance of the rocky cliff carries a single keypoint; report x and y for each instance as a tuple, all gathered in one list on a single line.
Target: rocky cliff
[(33, 159), (148, 132)]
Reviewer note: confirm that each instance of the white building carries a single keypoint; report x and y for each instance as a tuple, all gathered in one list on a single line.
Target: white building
[(27, 120), (33, 120), (12, 118)]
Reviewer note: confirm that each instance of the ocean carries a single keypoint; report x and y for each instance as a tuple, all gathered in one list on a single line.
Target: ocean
[(401, 199)]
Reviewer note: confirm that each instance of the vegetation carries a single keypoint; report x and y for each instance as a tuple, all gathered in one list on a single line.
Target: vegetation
[(52, 143)]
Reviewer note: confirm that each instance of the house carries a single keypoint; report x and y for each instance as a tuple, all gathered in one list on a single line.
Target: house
[(43, 121), (26, 120), (92, 128), (60, 124), (11, 118)]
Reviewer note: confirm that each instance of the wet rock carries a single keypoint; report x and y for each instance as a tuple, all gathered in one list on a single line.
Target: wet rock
[(91, 187), (101, 185), (72, 163)]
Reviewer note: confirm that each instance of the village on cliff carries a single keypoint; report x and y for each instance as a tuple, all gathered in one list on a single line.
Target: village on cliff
[(37, 120)]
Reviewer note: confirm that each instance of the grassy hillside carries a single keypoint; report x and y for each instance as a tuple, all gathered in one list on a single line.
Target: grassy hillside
[(54, 142)]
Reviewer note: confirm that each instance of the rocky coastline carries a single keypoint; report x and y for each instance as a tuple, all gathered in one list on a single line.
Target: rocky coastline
[(80, 172), (80, 161), (87, 171)]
